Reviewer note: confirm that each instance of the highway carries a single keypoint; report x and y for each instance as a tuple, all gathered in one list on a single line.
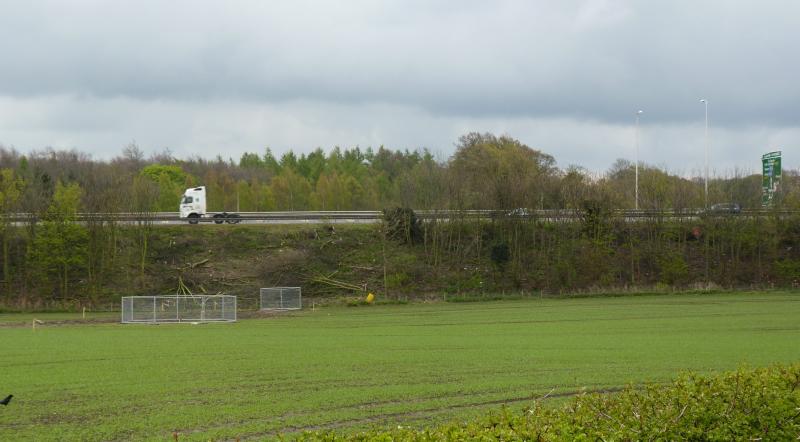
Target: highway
[(338, 217)]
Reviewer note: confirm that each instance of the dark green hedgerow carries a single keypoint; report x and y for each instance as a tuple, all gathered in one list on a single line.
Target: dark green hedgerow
[(760, 404)]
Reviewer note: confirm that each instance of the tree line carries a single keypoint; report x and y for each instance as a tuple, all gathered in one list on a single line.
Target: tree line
[(485, 172), (46, 259)]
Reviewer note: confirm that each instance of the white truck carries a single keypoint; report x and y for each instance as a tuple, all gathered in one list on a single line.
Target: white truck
[(193, 208)]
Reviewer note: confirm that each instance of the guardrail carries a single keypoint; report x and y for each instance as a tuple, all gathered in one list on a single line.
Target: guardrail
[(374, 215)]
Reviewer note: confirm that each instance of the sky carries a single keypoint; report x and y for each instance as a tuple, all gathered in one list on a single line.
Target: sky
[(564, 77)]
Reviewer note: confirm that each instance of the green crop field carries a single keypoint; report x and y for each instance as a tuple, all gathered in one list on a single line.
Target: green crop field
[(377, 366)]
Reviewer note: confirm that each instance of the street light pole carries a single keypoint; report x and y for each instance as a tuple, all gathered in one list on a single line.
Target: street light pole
[(636, 142), (705, 193)]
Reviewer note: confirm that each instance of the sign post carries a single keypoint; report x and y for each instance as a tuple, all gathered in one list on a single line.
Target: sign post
[(770, 177)]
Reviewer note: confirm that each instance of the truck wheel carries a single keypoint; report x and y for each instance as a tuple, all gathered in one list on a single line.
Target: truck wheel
[(194, 218), (219, 218)]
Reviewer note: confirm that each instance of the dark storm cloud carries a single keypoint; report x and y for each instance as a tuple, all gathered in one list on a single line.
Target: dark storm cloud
[(595, 60)]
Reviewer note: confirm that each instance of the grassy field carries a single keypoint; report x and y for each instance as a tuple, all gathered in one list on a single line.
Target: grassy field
[(350, 368)]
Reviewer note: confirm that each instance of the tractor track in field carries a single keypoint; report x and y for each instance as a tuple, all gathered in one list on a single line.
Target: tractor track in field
[(412, 414), (417, 413), (556, 321)]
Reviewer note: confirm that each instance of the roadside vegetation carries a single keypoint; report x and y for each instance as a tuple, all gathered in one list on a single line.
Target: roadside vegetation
[(453, 260)]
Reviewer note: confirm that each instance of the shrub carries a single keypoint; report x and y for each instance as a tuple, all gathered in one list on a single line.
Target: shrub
[(401, 225), (396, 280), (673, 268), (788, 270), (500, 254)]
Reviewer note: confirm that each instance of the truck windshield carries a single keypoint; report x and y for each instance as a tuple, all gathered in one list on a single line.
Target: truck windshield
[(187, 200)]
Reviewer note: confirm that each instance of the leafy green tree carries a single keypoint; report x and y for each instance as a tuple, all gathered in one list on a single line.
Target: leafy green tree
[(102, 195), (173, 173), (500, 173), (246, 195), (60, 246), (11, 187), (574, 187), (171, 181), (291, 191), (144, 193), (330, 193), (425, 186), (264, 199), (169, 193)]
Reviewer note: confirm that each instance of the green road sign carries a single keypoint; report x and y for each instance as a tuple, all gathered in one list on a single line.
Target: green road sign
[(770, 177)]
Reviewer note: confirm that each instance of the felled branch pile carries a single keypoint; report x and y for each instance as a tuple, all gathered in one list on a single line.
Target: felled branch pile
[(329, 281)]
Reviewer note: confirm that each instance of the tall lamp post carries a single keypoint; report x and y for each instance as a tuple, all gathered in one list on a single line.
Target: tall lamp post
[(636, 143), (705, 193)]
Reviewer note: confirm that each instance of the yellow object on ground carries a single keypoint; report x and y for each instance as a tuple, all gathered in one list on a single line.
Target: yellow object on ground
[(370, 298)]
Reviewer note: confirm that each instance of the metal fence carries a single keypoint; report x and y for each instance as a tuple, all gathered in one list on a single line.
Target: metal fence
[(178, 308), (281, 298)]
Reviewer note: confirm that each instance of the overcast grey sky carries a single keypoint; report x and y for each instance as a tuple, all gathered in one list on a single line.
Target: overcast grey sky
[(565, 77)]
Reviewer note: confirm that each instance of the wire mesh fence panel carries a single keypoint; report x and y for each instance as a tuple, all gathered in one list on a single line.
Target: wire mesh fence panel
[(201, 308), (127, 309), (143, 309), (281, 298), (191, 308)]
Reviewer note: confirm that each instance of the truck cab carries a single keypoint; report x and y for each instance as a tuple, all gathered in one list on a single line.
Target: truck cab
[(193, 204), (193, 208)]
